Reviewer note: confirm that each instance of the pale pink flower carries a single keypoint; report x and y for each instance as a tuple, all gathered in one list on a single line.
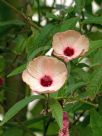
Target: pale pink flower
[(69, 45), (45, 74), (65, 127)]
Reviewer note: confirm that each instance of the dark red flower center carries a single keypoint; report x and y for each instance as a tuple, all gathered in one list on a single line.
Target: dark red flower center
[(69, 51), (46, 81)]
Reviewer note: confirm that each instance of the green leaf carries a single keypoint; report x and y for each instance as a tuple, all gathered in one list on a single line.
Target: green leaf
[(17, 107), (11, 22), (75, 107), (19, 45), (35, 119), (95, 35), (41, 40), (99, 12), (99, 2), (69, 10), (95, 82), (96, 58), (96, 123), (50, 15), (57, 111), (11, 132), (18, 70), (73, 87), (79, 5), (69, 24), (40, 50), (93, 20), (81, 130), (52, 126), (79, 74), (94, 45), (7, 26)]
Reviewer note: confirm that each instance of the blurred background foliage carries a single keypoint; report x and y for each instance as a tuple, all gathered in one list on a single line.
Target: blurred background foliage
[(26, 30)]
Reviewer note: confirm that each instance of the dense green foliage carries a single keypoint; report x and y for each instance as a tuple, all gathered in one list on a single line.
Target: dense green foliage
[(22, 39)]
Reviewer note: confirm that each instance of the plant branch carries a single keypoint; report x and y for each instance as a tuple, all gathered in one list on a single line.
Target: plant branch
[(75, 100), (22, 15)]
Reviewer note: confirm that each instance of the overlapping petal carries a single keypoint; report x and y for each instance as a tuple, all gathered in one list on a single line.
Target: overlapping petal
[(69, 44), (45, 66)]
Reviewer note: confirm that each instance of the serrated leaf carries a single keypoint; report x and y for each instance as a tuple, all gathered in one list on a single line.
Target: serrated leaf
[(57, 111), (17, 107), (18, 70), (96, 123)]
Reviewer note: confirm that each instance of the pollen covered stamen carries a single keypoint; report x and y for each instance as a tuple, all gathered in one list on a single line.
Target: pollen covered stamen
[(46, 81), (69, 51)]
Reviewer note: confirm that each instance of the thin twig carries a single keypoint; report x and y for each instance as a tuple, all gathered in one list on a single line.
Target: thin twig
[(68, 101), (89, 103), (22, 15), (38, 7)]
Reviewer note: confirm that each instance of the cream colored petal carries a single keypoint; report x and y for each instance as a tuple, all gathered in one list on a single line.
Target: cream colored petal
[(64, 39), (55, 67), (45, 65), (59, 81), (62, 56), (83, 44), (80, 47), (36, 67), (33, 83), (79, 43), (36, 88), (57, 84), (42, 66), (29, 80), (44, 92)]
